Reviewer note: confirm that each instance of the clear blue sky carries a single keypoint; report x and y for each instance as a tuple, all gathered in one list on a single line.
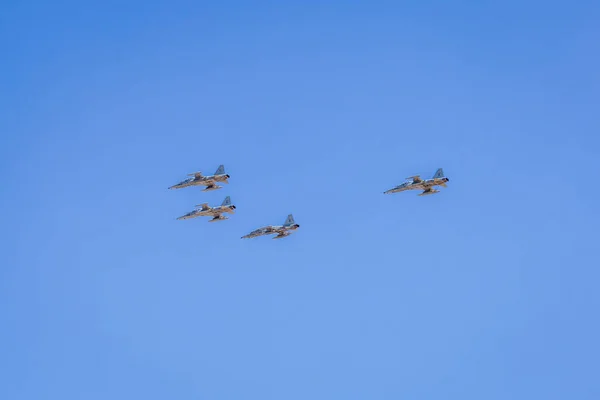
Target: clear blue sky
[(488, 290)]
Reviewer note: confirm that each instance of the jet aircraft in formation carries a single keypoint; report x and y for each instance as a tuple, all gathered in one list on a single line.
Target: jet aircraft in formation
[(197, 179), (427, 185), (204, 210), (288, 227)]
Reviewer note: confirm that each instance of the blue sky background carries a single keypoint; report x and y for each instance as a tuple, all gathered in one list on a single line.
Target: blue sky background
[(487, 290)]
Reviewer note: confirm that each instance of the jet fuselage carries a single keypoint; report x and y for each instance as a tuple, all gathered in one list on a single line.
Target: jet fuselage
[(211, 212), (281, 230), (428, 183), (204, 180)]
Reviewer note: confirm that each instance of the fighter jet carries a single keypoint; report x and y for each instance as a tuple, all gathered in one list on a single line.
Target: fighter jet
[(204, 210), (197, 179), (288, 227), (416, 183)]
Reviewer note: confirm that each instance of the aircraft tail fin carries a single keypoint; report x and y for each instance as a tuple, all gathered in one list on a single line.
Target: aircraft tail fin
[(227, 201), (289, 220), (439, 174), (220, 170)]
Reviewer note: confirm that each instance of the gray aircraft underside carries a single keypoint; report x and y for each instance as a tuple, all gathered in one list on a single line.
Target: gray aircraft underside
[(282, 231), (427, 185), (210, 181)]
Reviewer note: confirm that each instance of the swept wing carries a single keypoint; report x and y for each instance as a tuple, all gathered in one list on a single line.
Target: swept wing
[(415, 179)]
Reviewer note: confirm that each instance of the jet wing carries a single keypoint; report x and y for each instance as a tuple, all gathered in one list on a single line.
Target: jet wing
[(428, 191), (415, 179), (267, 230), (204, 206)]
